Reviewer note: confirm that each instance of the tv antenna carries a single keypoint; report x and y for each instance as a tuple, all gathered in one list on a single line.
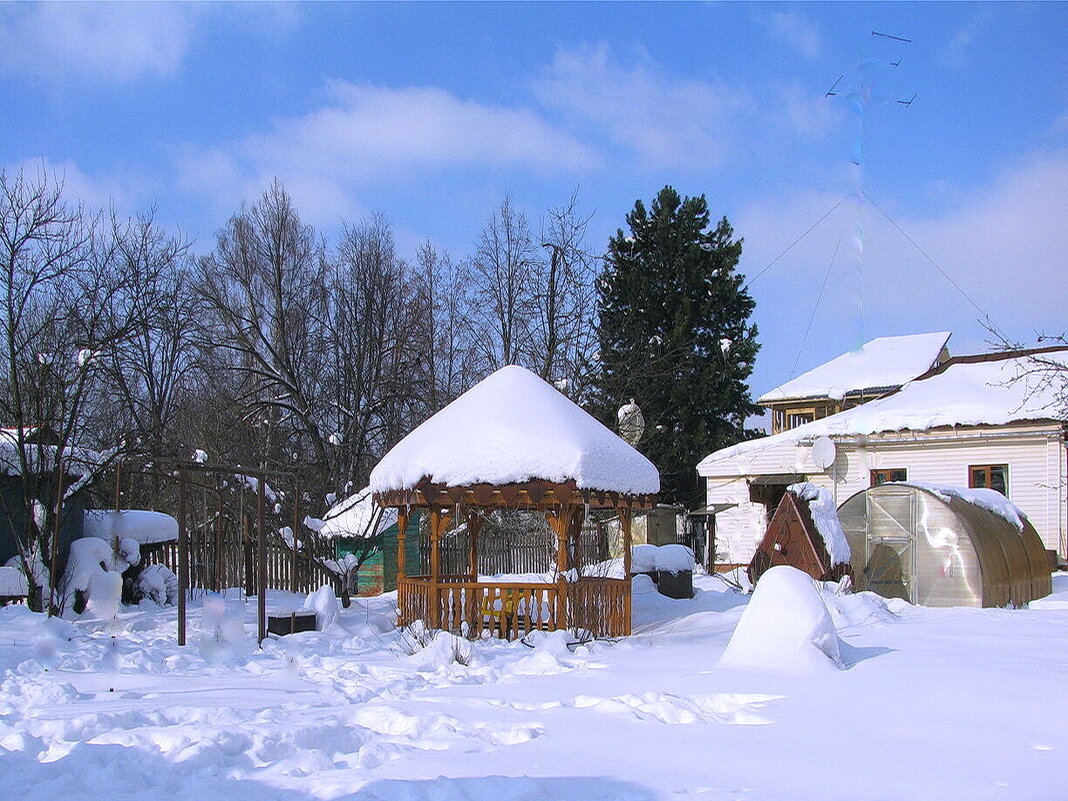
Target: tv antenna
[(891, 36)]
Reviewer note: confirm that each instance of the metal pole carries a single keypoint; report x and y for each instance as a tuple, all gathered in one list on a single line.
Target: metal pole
[(118, 483), (183, 557), (296, 527), (261, 559), (220, 579)]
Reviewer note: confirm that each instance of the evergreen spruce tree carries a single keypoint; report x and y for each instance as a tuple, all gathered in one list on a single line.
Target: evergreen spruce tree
[(674, 334)]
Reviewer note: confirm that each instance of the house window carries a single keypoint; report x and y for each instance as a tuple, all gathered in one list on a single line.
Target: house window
[(889, 474), (990, 476)]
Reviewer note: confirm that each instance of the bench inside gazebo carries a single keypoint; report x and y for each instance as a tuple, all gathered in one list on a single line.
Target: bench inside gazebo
[(513, 442)]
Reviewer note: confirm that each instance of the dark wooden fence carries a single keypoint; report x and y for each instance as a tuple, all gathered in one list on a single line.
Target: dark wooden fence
[(502, 551)]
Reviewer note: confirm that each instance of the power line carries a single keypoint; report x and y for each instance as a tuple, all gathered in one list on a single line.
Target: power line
[(935, 264), (790, 247), (812, 317)]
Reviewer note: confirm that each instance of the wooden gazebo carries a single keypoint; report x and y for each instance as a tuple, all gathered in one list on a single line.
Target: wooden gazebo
[(513, 442)]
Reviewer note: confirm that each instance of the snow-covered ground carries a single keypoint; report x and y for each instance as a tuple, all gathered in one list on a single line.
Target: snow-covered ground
[(935, 704)]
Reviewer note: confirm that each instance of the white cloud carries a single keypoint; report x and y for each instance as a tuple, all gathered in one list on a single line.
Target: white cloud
[(1003, 244), (367, 133), (111, 41), (124, 192), (663, 120), (794, 29), (959, 50)]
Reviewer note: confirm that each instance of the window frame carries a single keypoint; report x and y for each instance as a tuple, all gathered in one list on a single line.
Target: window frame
[(872, 473), (988, 470)]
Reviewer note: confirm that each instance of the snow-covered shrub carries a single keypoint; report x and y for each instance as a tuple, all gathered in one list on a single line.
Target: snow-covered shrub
[(158, 584), (431, 649), (89, 560)]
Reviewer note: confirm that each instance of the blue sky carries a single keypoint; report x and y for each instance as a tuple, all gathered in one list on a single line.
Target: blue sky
[(430, 113)]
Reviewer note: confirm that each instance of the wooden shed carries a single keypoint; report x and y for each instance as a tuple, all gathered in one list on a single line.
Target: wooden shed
[(793, 539)]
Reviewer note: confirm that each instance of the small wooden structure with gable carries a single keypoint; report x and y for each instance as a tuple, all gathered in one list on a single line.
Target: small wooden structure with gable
[(514, 443), (793, 539)]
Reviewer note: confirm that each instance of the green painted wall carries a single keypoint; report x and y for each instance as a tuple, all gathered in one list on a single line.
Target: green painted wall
[(379, 573)]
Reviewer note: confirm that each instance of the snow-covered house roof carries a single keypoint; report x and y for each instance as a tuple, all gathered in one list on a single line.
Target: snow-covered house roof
[(510, 428), (882, 364), (353, 517), (966, 393)]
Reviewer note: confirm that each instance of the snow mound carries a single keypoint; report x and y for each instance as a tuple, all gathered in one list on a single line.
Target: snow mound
[(146, 527), (12, 582), (674, 558), (325, 605), (825, 516), (510, 428), (90, 563), (443, 650), (643, 558), (785, 627), (668, 558), (641, 584), (989, 499)]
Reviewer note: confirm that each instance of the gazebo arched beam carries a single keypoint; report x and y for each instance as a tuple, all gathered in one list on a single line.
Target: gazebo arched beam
[(537, 495)]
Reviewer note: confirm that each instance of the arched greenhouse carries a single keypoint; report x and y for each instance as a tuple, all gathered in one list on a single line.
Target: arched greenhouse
[(943, 546)]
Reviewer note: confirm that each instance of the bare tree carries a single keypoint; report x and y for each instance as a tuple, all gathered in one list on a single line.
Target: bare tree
[(264, 286), (374, 358), (150, 372), (61, 316), (503, 269), (444, 291), (564, 336)]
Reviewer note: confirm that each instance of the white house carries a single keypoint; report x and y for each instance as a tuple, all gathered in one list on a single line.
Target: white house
[(878, 368), (968, 421)]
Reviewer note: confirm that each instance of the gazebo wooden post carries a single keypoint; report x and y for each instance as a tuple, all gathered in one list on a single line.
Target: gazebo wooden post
[(624, 521), (559, 520), (474, 525), (435, 567), (402, 529)]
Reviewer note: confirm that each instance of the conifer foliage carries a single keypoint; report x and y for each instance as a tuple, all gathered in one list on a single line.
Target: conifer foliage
[(674, 334)]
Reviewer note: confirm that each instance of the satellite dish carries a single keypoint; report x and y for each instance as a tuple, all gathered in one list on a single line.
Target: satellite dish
[(823, 452), (631, 422)]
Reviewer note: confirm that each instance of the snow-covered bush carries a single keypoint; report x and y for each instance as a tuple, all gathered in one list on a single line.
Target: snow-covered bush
[(158, 584), (90, 559), (431, 649)]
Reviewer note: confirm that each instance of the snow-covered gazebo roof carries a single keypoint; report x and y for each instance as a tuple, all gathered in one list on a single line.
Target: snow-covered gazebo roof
[(513, 430)]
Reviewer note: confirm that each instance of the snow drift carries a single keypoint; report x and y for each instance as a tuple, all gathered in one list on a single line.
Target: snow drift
[(785, 627)]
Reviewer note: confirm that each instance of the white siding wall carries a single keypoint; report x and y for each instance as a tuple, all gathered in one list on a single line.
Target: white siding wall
[(1035, 456)]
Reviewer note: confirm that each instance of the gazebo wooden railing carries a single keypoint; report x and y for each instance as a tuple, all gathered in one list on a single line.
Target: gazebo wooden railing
[(464, 605), (514, 609)]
